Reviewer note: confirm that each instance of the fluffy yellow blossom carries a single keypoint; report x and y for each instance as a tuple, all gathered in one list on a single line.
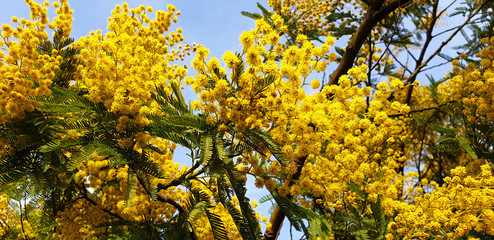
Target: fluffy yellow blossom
[(315, 84), (25, 71), (135, 62)]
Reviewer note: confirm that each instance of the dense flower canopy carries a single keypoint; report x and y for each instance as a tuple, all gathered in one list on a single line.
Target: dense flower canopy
[(89, 127)]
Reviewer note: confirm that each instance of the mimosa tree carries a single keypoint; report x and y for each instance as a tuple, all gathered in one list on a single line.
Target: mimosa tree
[(89, 127)]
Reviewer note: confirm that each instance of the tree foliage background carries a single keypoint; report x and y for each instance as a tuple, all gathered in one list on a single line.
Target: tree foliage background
[(322, 106)]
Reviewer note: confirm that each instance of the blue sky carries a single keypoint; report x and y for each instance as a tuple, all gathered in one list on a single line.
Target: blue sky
[(216, 24)]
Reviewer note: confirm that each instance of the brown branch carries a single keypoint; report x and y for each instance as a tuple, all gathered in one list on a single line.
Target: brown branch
[(278, 216), (166, 199), (160, 197), (83, 195), (22, 221), (177, 182), (424, 129), (376, 12), (90, 200), (369, 73), (428, 40)]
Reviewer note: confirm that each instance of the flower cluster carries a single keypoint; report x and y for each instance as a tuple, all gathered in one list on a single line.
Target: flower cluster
[(472, 86), (11, 226), (24, 71), (342, 137), (99, 174), (310, 14), (464, 203), (122, 67), (63, 20)]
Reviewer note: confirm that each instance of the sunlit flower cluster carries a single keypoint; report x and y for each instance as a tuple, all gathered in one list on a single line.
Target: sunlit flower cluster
[(100, 174), (472, 86), (122, 67), (464, 203), (63, 20), (339, 140), (24, 71), (7, 215), (10, 223)]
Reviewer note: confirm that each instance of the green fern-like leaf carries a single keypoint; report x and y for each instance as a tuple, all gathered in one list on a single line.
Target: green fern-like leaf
[(141, 163), (465, 144), (237, 148), (251, 15), (266, 198), (240, 191), (360, 234), (294, 212), (221, 152), (57, 144), (180, 100), (162, 132), (264, 83), (206, 149), (236, 215), (169, 104), (320, 228), (217, 226), (198, 210), (259, 137), (381, 221), (82, 155), (354, 187), (178, 124), (131, 188)]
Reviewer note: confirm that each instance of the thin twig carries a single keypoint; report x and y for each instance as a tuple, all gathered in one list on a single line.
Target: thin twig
[(419, 68)]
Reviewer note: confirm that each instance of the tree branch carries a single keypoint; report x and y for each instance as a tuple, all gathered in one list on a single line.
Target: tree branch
[(83, 195), (422, 110), (374, 14), (90, 200), (278, 216), (428, 40), (161, 197), (177, 182)]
